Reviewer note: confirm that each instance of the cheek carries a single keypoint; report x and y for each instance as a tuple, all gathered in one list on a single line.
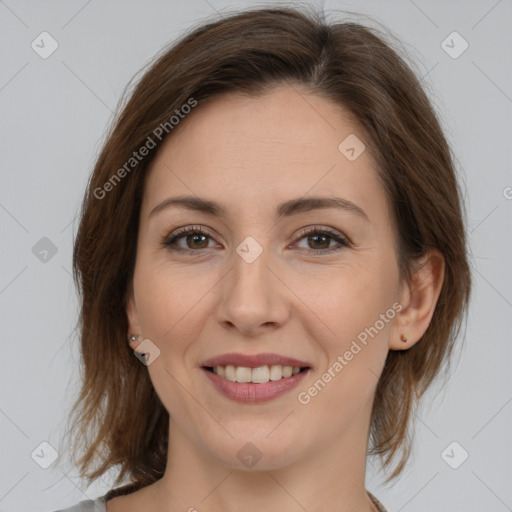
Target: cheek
[(356, 345), (347, 300), (165, 292), (170, 312), (173, 303), (355, 313), (155, 293)]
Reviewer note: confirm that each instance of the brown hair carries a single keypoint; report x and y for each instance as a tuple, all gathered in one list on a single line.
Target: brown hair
[(119, 417)]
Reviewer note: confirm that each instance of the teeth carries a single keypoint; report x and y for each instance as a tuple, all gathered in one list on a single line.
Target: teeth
[(287, 371), (259, 375), (229, 374), (276, 372), (243, 374)]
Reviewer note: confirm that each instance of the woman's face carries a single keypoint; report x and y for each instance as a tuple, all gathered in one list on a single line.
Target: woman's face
[(317, 285)]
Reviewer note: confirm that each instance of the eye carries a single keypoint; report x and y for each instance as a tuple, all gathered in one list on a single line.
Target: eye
[(321, 239), (196, 238)]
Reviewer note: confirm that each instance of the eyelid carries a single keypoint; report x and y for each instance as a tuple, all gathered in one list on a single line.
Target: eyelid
[(187, 230), (342, 241), (322, 229)]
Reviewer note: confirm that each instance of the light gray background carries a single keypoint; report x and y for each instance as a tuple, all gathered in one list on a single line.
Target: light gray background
[(54, 115)]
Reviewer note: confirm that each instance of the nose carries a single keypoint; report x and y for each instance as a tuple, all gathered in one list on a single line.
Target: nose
[(253, 297)]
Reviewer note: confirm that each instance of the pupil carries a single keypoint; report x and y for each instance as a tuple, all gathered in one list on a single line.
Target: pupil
[(319, 236), (195, 237)]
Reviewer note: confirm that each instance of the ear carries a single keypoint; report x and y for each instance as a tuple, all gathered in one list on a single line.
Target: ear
[(132, 316), (418, 299)]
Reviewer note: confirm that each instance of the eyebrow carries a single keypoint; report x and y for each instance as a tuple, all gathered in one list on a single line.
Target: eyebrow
[(286, 209)]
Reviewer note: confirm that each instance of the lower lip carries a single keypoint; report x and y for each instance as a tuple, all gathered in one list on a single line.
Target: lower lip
[(249, 392)]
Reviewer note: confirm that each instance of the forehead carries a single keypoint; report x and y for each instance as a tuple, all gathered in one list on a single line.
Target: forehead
[(252, 152)]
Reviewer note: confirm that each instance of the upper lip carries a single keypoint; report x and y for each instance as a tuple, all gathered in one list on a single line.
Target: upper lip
[(253, 361)]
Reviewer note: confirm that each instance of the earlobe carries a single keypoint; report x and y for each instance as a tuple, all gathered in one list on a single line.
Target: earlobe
[(419, 299)]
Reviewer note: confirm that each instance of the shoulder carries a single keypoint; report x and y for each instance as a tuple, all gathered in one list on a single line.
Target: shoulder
[(97, 505)]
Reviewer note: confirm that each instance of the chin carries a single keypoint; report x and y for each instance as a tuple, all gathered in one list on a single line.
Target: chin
[(256, 452)]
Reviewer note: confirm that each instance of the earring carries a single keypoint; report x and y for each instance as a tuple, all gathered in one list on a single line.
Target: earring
[(403, 338), (133, 338)]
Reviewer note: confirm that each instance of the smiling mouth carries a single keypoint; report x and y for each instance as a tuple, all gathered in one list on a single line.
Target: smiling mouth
[(259, 375)]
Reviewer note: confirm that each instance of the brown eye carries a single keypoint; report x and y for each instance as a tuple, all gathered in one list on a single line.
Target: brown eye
[(319, 241), (195, 239)]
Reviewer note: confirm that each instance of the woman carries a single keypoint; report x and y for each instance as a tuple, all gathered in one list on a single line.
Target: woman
[(274, 229)]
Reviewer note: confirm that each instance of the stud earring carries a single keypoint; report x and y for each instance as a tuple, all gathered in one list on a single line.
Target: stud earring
[(403, 338), (133, 338)]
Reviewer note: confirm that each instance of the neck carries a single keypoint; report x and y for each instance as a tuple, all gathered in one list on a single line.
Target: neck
[(330, 477)]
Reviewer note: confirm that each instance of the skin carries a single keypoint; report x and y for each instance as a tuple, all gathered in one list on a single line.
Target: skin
[(251, 154)]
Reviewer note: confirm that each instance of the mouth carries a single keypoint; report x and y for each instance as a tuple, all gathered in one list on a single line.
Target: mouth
[(258, 375), (254, 378)]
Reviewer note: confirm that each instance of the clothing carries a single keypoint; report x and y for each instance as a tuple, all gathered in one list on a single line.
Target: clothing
[(99, 505)]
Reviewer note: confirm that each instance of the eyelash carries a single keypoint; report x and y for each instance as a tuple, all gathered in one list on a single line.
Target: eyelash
[(308, 232)]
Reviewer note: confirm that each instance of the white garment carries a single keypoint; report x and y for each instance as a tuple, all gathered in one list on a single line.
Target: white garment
[(97, 505)]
